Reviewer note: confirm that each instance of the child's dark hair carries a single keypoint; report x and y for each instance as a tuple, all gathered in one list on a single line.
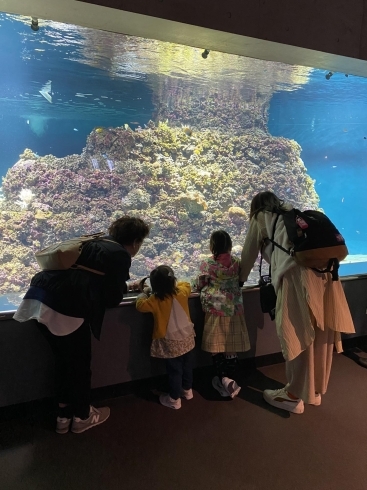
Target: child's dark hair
[(163, 281), (220, 243)]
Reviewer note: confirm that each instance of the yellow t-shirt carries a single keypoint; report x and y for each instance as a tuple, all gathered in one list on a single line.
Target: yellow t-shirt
[(161, 309)]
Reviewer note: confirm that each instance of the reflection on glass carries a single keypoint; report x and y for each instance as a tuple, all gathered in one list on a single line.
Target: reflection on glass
[(96, 125)]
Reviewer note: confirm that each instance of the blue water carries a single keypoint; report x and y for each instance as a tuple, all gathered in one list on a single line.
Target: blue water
[(90, 88), (60, 128), (328, 118)]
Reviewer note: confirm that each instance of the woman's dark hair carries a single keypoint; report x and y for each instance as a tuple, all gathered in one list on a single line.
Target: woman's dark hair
[(128, 229), (266, 201), (163, 281), (220, 243)]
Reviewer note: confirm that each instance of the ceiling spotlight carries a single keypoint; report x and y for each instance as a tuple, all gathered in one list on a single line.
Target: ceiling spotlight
[(205, 53), (329, 75), (34, 24)]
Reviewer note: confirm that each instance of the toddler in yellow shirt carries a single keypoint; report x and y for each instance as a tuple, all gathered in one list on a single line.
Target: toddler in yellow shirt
[(173, 333)]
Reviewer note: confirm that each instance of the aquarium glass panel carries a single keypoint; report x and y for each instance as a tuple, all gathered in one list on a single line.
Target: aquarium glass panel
[(95, 125)]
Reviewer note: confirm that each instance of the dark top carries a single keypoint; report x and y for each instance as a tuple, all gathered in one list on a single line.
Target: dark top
[(83, 294)]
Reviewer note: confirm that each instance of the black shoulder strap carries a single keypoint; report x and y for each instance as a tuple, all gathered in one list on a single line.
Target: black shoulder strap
[(289, 252), (272, 241)]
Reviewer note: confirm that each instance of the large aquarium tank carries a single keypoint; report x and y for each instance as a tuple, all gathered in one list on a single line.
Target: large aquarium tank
[(95, 125)]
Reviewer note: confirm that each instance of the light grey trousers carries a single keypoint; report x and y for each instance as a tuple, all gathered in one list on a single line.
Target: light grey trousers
[(309, 372)]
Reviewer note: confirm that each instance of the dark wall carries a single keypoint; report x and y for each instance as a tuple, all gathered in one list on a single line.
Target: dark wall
[(122, 355), (26, 366), (331, 26)]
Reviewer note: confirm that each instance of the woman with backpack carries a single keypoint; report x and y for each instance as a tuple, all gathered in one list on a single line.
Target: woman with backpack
[(311, 309), (69, 304)]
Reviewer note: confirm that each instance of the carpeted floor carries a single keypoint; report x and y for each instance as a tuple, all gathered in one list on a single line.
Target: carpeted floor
[(210, 444)]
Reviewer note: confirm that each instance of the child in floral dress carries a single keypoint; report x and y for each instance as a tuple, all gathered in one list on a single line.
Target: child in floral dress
[(225, 331)]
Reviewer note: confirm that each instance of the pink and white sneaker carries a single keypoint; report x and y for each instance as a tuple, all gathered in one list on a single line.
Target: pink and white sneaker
[(231, 387)]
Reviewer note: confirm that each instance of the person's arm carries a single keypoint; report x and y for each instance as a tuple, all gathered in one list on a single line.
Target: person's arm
[(144, 304), (204, 277), (117, 274), (250, 249), (184, 287)]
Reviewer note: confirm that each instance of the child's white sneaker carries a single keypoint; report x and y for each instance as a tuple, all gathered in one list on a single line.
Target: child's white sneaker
[(217, 385), (231, 387), (169, 402), (187, 394)]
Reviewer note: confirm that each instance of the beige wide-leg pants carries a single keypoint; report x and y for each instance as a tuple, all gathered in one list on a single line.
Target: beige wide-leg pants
[(309, 372)]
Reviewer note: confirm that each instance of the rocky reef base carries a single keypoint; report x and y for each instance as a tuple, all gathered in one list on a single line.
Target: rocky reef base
[(186, 183)]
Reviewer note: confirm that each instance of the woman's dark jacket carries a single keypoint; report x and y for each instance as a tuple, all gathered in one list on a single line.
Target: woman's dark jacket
[(83, 294)]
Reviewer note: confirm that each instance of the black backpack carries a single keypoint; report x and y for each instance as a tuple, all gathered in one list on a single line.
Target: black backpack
[(316, 243)]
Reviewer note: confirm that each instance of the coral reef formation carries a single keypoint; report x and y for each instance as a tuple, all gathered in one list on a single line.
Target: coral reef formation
[(185, 183), (194, 169)]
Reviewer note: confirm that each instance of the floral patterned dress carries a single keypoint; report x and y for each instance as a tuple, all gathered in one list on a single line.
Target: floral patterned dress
[(221, 297)]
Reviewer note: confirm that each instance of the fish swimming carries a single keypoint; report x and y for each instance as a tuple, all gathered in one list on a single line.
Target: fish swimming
[(95, 163), (46, 91), (110, 164), (187, 130)]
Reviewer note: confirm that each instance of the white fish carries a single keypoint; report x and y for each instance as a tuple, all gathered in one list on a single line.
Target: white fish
[(27, 121), (334, 166), (342, 199), (46, 91), (358, 232), (76, 129)]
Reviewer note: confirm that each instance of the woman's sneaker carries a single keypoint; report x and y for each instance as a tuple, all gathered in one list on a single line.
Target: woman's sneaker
[(96, 417), (187, 394), (317, 401), (280, 399), (231, 387), (169, 402), (62, 425)]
